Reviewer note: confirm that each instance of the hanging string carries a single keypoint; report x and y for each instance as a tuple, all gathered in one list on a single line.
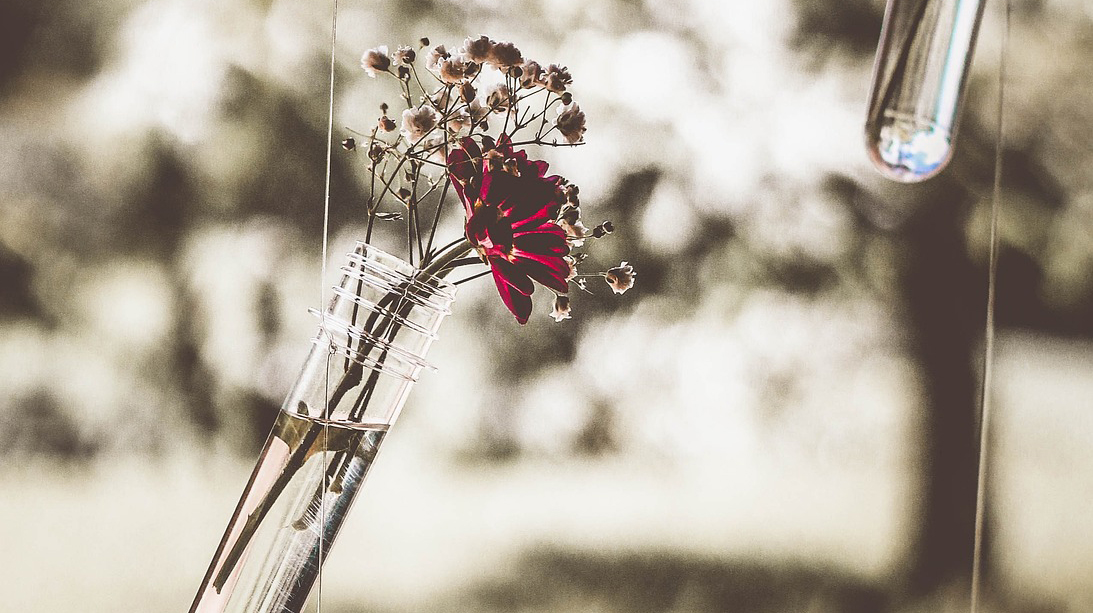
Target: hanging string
[(321, 522), (988, 344)]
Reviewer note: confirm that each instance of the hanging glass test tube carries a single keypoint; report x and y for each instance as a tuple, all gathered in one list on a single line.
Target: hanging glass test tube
[(919, 79)]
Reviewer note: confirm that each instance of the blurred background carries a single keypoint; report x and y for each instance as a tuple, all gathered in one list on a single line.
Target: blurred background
[(780, 416)]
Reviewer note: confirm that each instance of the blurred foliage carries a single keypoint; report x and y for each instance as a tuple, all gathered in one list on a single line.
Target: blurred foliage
[(163, 196)]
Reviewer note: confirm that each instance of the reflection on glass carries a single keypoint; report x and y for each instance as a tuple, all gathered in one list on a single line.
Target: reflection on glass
[(918, 83)]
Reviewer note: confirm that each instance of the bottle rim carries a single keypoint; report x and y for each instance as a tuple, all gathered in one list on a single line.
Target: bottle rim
[(434, 291)]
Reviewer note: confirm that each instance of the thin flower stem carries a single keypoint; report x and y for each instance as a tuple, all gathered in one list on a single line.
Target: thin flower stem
[(413, 71), (409, 154), (410, 235), (439, 207), (387, 184), (294, 462), (373, 203), (473, 277), (552, 128), (416, 213), (387, 188), (452, 244), (463, 262), (432, 188), (453, 251), (511, 103), (546, 105), (406, 97), (431, 162), (546, 144)]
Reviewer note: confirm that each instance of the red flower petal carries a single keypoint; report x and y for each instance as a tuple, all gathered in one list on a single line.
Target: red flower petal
[(471, 147), (461, 166), (510, 219), (540, 167), (518, 304), (512, 274), (551, 271), (548, 239), (500, 187)]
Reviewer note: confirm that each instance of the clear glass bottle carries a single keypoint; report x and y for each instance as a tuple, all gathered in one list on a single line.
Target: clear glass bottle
[(367, 355), (919, 79)]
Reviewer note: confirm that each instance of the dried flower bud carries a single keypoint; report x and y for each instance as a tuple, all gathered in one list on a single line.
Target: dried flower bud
[(416, 123), (570, 214), (467, 92), (561, 308), (478, 112), (387, 124), (375, 153), (441, 97), (576, 232), (404, 55), (567, 99), (499, 98), (494, 160), (458, 120), (384, 107), (556, 78), (349, 144), (477, 49), (505, 54), (436, 55), (455, 69), (424, 40), (404, 194), (572, 260), (404, 72), (530, 74), (603, 229), (571, 190), (620, 278), (376, 60), (570, 122)]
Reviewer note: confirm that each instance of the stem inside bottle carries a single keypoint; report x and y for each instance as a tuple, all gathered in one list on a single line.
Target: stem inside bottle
[(367, 356)]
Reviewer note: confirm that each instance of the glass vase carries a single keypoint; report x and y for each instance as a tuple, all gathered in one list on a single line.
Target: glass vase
[(367, 355)]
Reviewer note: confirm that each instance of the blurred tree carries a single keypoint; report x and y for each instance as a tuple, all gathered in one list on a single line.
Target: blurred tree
[(932, 238)]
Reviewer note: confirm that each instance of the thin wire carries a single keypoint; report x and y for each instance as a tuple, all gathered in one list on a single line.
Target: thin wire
[(322, 303), (988, 345)]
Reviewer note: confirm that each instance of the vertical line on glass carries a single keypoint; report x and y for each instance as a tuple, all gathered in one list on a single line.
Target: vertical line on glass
[(322, 273), (988, 334)]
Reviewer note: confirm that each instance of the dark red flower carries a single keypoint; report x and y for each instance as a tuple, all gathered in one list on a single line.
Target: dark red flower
[(511, 208)]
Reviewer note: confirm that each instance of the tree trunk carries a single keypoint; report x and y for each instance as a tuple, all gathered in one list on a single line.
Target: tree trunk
[(945, 301)]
